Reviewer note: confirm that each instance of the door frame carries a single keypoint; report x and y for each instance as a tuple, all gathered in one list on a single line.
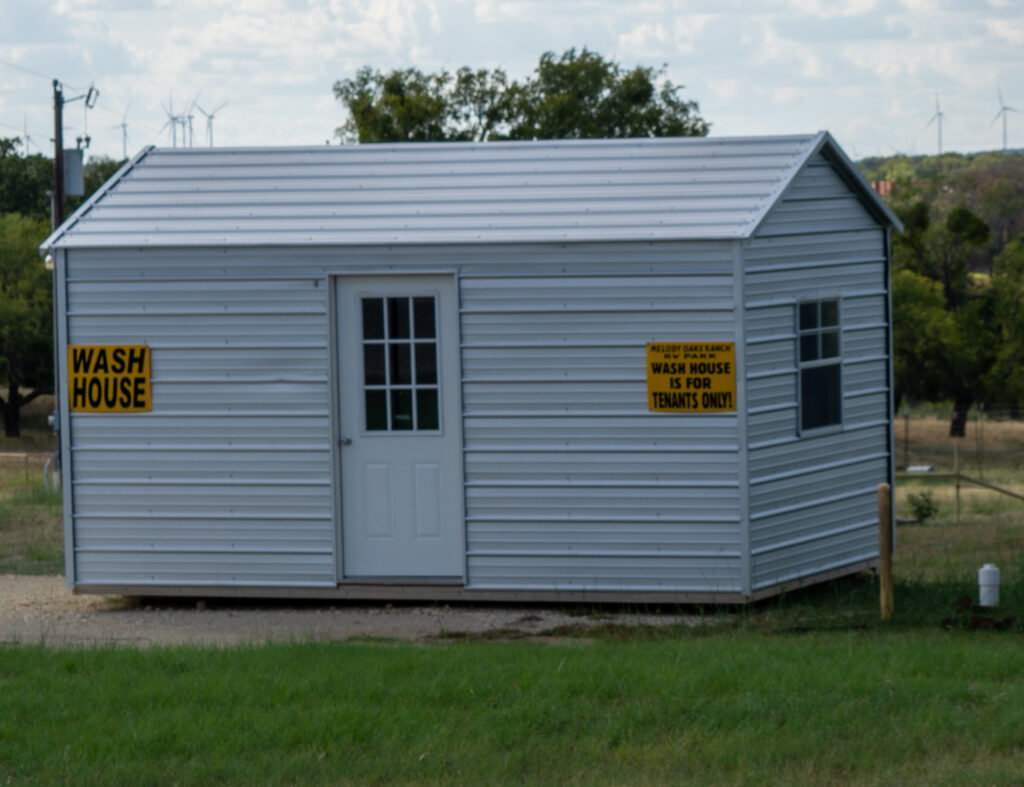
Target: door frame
[(333, 280)]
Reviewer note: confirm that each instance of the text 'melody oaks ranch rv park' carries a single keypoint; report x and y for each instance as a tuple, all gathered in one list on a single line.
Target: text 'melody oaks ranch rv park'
[(652, 369)]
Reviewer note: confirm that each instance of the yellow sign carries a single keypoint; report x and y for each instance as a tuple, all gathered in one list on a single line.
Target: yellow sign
[(109, 379), (691, 377)]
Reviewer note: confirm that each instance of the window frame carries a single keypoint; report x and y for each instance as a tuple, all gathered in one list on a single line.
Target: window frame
[(819, 363)]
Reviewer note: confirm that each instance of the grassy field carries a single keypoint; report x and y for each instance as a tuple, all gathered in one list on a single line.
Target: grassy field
[(810, 687)]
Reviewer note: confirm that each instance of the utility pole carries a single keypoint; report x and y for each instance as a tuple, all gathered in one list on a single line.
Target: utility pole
[(57, 211)]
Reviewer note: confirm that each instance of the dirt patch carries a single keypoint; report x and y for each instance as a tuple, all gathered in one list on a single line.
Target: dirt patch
[(36, 609)]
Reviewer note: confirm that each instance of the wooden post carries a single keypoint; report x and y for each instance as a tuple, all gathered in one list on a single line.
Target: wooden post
[(885, 548), (956, 475)]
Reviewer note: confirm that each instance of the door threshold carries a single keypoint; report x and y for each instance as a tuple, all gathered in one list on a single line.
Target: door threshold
[(401, 580)]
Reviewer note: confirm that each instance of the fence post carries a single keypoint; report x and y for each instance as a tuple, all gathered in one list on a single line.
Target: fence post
[(956, 475), (885, 549)]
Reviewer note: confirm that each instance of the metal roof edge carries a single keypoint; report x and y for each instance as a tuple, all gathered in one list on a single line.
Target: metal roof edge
[(824, 143), (774, 197), (86, 206), (856, 180)]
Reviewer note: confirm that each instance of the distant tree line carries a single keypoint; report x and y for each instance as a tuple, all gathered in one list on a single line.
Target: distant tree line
[(958, 278)]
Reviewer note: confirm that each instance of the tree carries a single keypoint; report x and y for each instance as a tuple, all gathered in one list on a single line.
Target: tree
[(24, 182), (26, 349), (573, 96)]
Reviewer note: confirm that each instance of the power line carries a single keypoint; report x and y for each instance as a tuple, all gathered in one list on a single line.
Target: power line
[(15, 66)]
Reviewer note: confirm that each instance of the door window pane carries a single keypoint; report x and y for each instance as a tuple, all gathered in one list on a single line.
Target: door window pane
[(401, 365), (398, 318), (401, 410), (808, 316), (426, 363), (426, 409), (373, 318), (423, 318), (376, 411), (373, 364)]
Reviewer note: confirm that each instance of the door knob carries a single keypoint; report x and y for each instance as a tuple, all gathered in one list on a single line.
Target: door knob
[(346, 440)]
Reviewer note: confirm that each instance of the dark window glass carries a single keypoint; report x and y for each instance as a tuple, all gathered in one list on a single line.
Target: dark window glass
[(809, 347), (373, 318), (376, 411), (423, 318), (373, 364), (808, 316), (401, 410), (398, 318), (819, 396), (426, 409), (829, 313), (401, 366), (426, 363), (829, 344)]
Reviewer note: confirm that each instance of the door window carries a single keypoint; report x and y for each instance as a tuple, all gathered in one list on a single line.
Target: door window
[(400, 364)]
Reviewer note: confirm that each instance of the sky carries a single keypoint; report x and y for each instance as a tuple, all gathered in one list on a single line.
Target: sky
[(869, 71)]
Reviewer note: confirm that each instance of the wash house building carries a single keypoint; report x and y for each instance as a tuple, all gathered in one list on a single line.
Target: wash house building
[(650, 369)]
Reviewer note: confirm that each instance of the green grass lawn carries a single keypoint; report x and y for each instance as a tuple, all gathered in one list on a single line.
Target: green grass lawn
[(730, 708)]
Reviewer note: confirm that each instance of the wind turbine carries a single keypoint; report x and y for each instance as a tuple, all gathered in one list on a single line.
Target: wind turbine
[(123, 125), (172, 121), (1003, 109), (937, 117), (209, 121), (27, 138)]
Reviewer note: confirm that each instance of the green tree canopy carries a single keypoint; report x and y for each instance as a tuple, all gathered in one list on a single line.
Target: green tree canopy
[(575, 95), (26, 343)]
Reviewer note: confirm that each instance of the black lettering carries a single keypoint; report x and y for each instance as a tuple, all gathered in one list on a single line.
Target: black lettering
[(117, 360), (81, 359), (101, 361), (124, 399), (674, 382), (139, 394), (656, 367), (136, 360), (77, 393), (94, 393), (109, 392)]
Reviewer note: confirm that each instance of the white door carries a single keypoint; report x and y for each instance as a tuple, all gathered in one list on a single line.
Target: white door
[(401, 459)]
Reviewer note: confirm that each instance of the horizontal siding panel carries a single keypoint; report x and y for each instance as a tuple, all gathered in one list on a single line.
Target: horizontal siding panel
[(777, 391), (810, 248), (817, 556), (811, 451), (224, 295), (866, 341), (769, 321), (606, 468), (91, 465), (619, 294), (638, 327), (310, 397), (684, 432), (209, 431), (870, 309), (609, 573), (314, 498), (773, 356), (267, 328), (814, 281), (199, 535), (866, 374), (532, 259), (214, 568), (866, 407), (591, 537), (809, 522), (529, 365), (811, 482), (569, 397), (214, 363), (773, 425), (606, 501)]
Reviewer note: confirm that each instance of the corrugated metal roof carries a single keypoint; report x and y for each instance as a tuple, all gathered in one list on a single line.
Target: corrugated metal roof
[(579, 190)]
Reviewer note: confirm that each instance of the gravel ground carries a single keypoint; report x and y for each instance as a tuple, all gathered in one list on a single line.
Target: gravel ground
[(42, 610)]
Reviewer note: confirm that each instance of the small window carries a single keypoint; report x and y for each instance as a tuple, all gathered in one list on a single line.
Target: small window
[(820, 379)]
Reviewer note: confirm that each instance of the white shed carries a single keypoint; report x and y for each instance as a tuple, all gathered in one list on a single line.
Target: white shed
[(653, 369)]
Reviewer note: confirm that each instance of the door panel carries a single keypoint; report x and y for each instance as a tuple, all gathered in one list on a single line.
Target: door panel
[(401, 457)]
